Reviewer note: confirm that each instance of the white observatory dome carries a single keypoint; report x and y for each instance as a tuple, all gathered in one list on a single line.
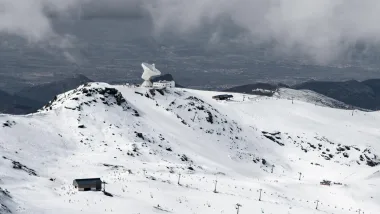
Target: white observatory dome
[(149, 72)]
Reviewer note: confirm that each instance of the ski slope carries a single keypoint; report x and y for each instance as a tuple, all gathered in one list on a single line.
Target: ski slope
[(161, 151)]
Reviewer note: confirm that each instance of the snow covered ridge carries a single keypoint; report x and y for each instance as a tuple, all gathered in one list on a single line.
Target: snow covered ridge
[(312, 97), (74, 99), (180, 151)]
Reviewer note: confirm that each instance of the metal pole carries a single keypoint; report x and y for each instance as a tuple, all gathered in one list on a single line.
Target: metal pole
[(216, 181), (179, 177), (260, 194), (194, 116), (300, 175), (317, 205), (272, 168), (237, 208)]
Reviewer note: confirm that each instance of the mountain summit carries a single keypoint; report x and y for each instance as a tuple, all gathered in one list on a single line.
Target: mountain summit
[(180, 151)]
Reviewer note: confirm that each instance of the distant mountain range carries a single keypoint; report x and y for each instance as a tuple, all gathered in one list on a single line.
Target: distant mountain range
[(364, 94), (13, 104), (256, 88), (45, 92), (30, 99)]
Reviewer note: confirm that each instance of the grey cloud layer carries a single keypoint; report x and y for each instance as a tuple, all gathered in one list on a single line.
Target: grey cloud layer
[(319, 29)]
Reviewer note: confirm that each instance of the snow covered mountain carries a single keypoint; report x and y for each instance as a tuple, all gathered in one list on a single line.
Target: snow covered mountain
[(161, 151)]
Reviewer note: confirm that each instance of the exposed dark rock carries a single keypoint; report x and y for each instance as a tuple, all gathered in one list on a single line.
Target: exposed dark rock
[(151, 178), (263, 161), (9, 123), (312, 146), (4, 209), (152, 92), (340, 149), (372, 163), (273, 137), (136, 92), (107, 194), (5, 192), (270, 138), (209, 118), (112, 166), (17, 165), (139, 135), (184, 158), (160, 91), (195, 99)]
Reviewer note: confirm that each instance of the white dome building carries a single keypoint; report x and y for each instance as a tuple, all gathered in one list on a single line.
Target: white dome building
[(149, 72)]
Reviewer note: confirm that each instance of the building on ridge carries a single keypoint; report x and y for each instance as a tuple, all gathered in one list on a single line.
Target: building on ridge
[(164, 84)]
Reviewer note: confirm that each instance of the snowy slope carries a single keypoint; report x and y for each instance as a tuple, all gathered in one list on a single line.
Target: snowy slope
[(310, 97), (140, 140)]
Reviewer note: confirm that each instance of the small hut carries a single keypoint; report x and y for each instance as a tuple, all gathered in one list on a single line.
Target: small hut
[(222, 97), (87, 184)]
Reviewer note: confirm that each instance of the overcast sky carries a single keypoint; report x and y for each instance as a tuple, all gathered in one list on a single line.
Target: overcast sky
[(320, 29)]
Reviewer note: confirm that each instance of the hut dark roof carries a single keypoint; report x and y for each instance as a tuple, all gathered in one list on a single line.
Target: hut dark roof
[(223, 96), (87, 181)]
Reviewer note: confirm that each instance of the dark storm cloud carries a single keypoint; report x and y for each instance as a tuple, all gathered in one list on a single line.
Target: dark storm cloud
[(322, 30), (112, 9)]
